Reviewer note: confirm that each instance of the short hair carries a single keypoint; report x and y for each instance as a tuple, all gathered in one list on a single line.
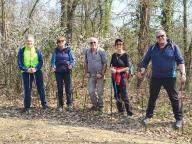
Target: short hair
[(93, 38), (119, 40), (29, 36), (159, 31), (60, 38)]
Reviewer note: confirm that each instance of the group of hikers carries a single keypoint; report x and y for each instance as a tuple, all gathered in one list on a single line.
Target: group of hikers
[(165, 56)]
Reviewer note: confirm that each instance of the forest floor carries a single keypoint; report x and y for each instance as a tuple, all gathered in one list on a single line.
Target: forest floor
[(85, 126), (51, 126)]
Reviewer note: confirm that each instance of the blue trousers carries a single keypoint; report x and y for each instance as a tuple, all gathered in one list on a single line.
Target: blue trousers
[(64, 78), (37, 78)]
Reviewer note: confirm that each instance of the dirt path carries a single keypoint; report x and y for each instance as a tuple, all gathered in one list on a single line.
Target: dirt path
[(15, 130)]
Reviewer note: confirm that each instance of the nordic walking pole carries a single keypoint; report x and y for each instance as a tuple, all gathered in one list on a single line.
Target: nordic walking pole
[(111, 100), (71, 87), (142, 102), (36, 87), (181, 99), (111, 86), (85, 100), (30, 84), (140, 80)]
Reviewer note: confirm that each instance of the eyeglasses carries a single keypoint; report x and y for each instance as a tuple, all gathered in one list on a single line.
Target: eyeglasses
[(160, 36), (29, 41), (59, 41), (92, 42)]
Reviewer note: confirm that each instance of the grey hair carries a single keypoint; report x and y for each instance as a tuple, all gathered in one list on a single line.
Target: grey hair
[(91, 38), (29, 36), (160, 30)]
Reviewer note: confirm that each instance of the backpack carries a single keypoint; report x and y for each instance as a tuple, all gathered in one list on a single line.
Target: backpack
[(86, 52), (172, 46)]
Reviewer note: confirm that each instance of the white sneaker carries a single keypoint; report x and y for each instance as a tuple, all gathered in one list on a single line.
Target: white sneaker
[(60, 109), (178, 124), (146, 121)]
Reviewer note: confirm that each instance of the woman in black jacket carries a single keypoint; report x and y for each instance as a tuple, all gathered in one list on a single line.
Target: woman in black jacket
[(119, 70)]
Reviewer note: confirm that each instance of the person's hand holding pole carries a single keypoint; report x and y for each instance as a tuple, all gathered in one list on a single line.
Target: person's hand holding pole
[(113, 70), (141, 73), (183, 78)]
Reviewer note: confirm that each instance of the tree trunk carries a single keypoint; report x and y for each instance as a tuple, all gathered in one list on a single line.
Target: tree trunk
[(186, 52), (63, 17), (3, 25), (188, 67), (27, 30), (143, 40), (71, 6), (107, 17), (167, 16)]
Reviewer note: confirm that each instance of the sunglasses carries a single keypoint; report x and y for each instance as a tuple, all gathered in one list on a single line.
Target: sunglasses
[(160, 36), (29, 41), (119, 44), (92, 42), (59, 41)]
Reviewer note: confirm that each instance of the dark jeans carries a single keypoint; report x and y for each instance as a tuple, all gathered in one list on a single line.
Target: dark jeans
[(64, 78), (170, 86), (121, 95), (27, 82)]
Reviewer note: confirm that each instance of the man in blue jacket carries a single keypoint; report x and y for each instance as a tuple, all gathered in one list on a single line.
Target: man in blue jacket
[(30, 62), (165, 57)]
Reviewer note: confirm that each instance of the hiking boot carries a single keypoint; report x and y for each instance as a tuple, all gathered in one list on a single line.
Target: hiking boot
[(178, 124), (100, 109), (146, 121), (70, 108), (45, 107), (121, 113), (25, 111), (93, 108), (60, 109), (129, 113)]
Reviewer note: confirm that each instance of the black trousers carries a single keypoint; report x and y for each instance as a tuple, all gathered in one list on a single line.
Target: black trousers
[(64, 78), (170, 86), (121, 95)]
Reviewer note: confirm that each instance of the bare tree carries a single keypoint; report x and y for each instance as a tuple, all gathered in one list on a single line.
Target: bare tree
[(143, 40), (30, 15), (187, 51), (3, 25), (167, 15), (70, 6)]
